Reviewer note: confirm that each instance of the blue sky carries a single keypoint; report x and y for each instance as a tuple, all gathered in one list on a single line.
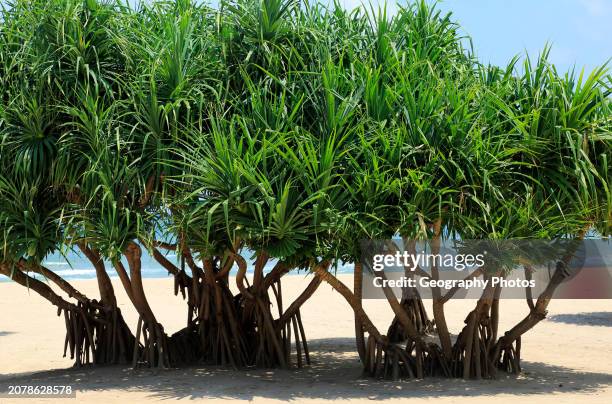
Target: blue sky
[(580, 31)]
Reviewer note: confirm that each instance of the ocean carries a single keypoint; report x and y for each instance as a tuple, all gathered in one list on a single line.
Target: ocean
[(74, 266)]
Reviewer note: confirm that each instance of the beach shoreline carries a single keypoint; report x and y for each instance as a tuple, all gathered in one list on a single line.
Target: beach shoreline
[(31, 339)]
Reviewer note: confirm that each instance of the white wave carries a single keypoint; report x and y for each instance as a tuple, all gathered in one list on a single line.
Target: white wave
[(69, 272)]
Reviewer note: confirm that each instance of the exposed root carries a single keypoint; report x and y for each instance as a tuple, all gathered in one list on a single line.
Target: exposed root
[(290, 320), (267, 342), (221, 336), (153, 351), (398, 361), (414, 308), (510, 358)]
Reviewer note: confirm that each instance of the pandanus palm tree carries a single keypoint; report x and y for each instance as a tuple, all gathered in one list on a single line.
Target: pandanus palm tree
[(55, 69), (278, 135)]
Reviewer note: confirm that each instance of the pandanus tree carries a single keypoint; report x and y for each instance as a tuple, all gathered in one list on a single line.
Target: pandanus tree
[(572, 194), (243, 202), (51, 72), (511, 192), (275, 136)]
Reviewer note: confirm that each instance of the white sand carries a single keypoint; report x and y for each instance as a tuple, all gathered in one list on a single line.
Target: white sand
[(566, 358)]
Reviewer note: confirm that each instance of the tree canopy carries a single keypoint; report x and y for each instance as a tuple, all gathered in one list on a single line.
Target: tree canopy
[(283, 129)]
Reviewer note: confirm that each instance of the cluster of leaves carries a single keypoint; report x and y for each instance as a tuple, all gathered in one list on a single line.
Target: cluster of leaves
[(284, 127)]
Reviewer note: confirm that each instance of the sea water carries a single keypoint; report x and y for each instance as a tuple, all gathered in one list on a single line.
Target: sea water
[(74, 266)]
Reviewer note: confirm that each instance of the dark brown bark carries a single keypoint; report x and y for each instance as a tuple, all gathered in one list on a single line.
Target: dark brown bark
[(258, 276), (469, 343), (125, 279), (164, 245), (241, 276), (438, 304), (226, 268), (256, 315), (105, 286), (528, 292), (148, 191), (276, 273), (155, 351), (115, 341), (195, 270), (412, 303), (133, 254), (358, 291), (495, 313), (399, 312), (165, 262)]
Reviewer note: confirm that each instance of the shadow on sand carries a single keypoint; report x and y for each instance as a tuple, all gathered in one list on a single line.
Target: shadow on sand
[(599, 318), (335, 372)]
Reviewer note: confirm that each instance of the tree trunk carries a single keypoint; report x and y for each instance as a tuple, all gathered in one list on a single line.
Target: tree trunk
[(155, 348), (438, 304), (412, 304), (116, 342), (358, 290)]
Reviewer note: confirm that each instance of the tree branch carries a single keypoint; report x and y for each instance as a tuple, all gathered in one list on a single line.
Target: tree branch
[(321, 272), (275, 274), (37, 286), (299, 301), (241, 275), (64, 285), (146, 196), (164, 245), (399, 311), (107, 292), (449, 295)]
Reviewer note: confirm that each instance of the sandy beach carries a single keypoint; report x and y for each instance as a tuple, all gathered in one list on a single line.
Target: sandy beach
[(566, 358)]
